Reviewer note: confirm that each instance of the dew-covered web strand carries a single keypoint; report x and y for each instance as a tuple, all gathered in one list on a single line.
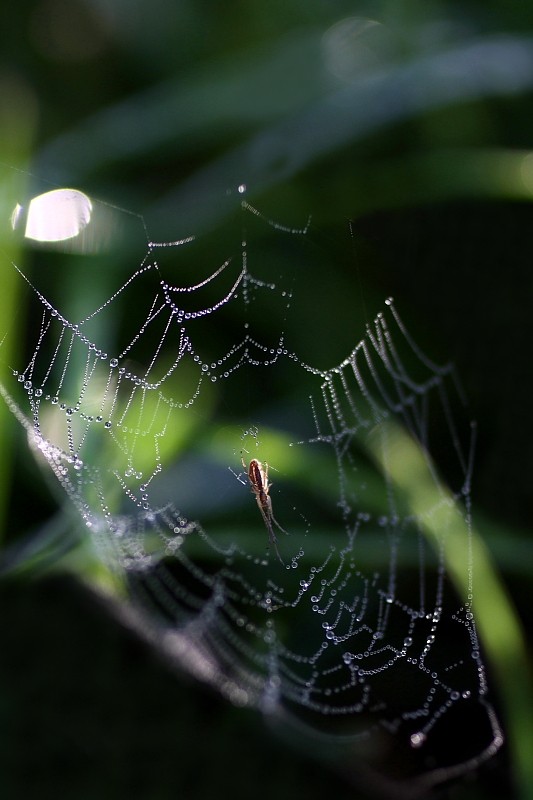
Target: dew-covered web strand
[(315, 635)]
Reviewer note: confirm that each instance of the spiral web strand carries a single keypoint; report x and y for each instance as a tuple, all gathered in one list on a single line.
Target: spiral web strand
[(358, 635)]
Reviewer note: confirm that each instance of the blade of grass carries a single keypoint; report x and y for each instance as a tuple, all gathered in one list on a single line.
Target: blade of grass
[(408, 469), (18, 115)]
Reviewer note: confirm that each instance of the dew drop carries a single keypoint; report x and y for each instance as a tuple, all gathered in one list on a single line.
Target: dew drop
[(418, 739)]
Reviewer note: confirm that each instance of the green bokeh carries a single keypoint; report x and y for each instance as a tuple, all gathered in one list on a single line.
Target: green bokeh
[(159, 108)]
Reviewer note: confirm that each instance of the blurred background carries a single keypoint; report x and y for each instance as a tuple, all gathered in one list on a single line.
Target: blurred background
[(406, 131)]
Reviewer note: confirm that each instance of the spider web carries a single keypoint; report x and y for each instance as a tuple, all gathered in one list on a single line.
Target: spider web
[(147, 399)]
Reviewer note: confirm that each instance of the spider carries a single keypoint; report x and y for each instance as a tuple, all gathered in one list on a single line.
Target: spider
[(258, 477)]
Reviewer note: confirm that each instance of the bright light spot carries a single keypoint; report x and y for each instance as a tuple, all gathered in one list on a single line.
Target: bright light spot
[(54, 216)]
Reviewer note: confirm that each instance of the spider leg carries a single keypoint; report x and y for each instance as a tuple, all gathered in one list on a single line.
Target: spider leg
[(275, 544), (271, 535), (276, 523)]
